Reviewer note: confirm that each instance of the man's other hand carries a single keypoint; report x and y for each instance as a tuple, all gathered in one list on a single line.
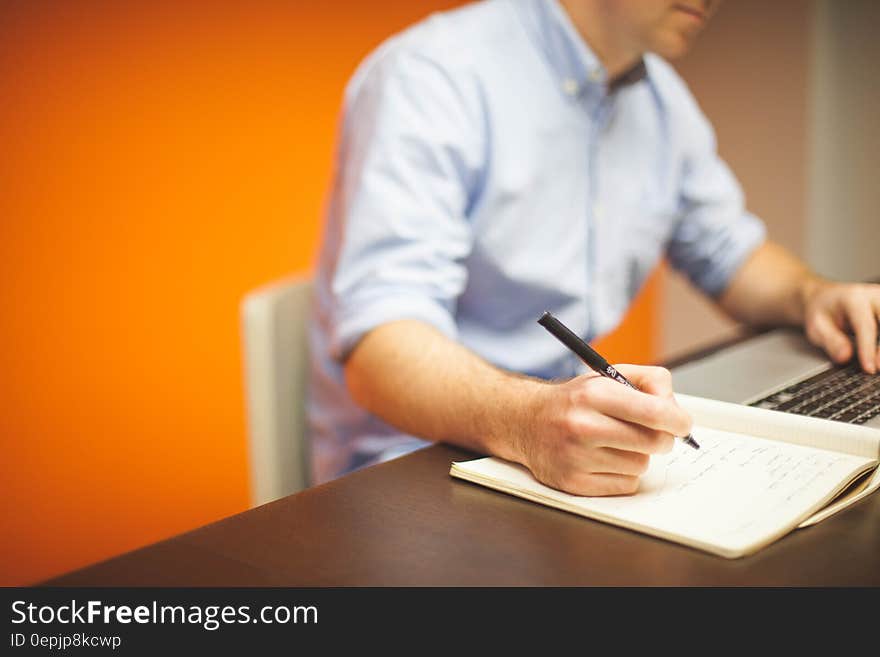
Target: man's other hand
[(831, 308)]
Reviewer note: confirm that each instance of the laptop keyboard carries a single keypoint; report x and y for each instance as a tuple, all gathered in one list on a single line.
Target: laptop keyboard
[(846, 394)]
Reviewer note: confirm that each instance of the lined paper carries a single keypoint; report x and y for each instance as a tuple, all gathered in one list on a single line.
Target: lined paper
[(732, 496)]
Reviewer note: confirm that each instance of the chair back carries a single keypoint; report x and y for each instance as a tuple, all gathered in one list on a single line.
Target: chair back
[(275, 345)]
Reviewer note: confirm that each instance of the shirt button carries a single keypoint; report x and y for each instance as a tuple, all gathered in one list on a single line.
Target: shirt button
[(597, 210), (596, 74), (570, 86)]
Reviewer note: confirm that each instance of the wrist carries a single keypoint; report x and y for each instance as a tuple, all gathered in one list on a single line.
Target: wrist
[(517, 417)]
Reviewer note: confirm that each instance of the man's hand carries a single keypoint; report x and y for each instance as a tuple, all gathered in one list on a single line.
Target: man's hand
[(594, 436), (587, 436), (773, 287), (831, 308)]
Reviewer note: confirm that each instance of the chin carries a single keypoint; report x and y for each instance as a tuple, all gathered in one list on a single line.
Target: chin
[(672, 46)]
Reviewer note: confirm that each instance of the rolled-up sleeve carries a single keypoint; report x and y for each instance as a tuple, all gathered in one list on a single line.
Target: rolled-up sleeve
[(716, 233), (408, 168)]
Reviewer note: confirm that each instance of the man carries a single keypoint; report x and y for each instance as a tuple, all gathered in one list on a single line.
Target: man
[(516, 156)]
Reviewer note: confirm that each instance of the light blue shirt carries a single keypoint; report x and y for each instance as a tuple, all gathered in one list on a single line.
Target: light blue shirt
[(485, 174)]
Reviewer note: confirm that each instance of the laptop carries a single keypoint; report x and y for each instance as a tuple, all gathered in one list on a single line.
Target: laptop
[(782, 371)]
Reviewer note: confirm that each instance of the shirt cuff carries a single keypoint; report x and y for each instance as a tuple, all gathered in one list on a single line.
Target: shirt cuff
[(355, 319), (731, 255)]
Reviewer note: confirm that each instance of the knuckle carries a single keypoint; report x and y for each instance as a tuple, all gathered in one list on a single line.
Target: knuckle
[(662, 374), (577, 482), (587, 391), (574, 395), (605, 486), (629, 485), (579, 394), (590, 486), (562, 425), (600, 390), (641, 463), (567, 424), (856, 299), (579, 427)]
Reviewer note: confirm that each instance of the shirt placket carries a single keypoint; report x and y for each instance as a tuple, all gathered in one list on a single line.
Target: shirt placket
[(598, 107)]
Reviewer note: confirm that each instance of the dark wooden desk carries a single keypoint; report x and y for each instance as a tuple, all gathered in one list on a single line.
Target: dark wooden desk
[(407, 522)]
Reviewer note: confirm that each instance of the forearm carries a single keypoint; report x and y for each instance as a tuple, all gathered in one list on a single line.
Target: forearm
[(418, 380), (771, 288), (587, 436)]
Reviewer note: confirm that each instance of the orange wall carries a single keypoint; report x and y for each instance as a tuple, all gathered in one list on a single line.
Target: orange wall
[(157, 160)]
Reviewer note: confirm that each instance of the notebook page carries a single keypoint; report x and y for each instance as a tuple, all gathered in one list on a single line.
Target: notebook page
[(777, 425), (867, 487), (730, 497)]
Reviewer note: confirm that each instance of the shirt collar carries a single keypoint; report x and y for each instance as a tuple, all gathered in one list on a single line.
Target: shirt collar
[(572, 60)]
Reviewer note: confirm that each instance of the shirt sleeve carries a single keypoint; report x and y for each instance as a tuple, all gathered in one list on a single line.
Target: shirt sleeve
[(716, 233), (408, 168)]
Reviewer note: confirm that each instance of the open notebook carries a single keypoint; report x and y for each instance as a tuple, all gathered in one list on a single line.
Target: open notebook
[(758, 475)]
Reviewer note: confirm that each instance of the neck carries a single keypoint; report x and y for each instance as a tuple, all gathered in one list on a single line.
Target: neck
[(607, 41)]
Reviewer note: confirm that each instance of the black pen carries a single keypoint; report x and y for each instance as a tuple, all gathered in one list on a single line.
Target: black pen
[(591, 357)]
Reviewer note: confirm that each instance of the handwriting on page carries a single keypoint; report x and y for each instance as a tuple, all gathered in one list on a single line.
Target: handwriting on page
[(774, 467), (734, 484)]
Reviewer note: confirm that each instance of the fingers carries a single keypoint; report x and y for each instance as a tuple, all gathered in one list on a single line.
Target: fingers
[(581, 467), (837, 306), (600, 435), (601, 430), (860, 313), (599, 484), (653, 380), (822, 331), (609, 460), (653, 411), (875, 304)]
